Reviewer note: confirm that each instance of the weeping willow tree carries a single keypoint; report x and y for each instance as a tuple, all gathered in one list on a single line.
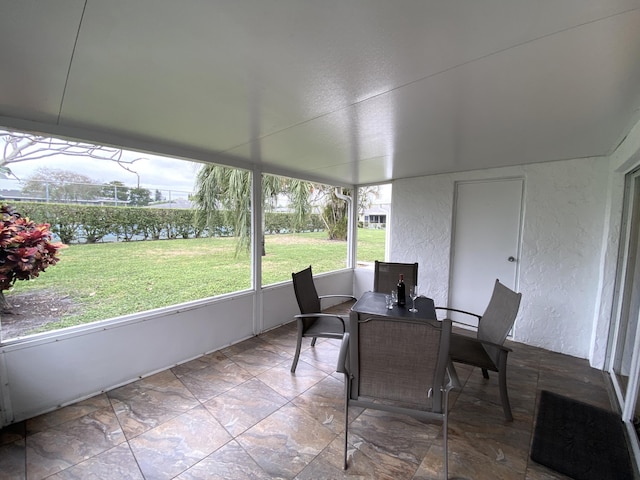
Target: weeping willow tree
[(226, 189)]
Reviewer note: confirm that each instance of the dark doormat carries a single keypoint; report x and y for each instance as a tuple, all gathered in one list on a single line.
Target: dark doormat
[(579, 440)]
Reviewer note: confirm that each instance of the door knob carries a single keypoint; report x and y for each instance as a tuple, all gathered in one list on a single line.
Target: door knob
[(511, 259)]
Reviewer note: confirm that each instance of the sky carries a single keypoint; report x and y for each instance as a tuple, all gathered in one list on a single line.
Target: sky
[(173, 177), (155, 172)]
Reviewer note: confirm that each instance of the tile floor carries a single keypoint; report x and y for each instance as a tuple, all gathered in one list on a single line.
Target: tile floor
[(239, 413)]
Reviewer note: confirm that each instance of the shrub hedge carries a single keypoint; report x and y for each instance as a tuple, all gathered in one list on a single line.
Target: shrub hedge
[(75, 223)]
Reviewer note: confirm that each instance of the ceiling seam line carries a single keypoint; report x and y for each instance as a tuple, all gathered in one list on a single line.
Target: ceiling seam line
[(497, 52), (73, 53), (446, 70)]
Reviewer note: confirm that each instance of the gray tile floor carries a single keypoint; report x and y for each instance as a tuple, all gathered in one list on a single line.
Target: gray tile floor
[(239, 413)]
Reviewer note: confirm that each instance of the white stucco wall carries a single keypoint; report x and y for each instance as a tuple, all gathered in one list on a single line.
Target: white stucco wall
[(564, 216), (565, 206)]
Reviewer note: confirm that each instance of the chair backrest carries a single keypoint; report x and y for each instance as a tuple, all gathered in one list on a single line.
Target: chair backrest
[(500, 315), (399, 359), (306, 293), (386, 275)]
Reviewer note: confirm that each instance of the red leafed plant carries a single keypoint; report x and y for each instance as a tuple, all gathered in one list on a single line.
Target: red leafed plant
[(26, 250)]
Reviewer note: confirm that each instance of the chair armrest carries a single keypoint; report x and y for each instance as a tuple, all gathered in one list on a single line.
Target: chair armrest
[(315, 315), (350, 297), (460, 311), (479, 317), (342, 357)]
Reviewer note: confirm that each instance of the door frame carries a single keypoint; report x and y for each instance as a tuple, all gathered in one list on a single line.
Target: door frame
[(520, 227), (626, 396)]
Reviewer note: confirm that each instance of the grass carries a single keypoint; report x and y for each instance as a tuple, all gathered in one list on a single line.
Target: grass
[(112, 279)]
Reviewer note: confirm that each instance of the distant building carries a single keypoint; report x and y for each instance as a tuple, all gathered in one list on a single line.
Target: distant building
[(17, 195), (375, 216)]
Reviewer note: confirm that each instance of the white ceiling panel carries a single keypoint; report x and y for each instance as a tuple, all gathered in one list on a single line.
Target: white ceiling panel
[(350, 91), (36, 45)]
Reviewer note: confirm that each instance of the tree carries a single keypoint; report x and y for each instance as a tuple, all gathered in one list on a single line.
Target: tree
[(366, 195), (229, 189), (25, 251), (157, 197), (60, 185), (119, 192), (20, 147), (139, 197), (334, 215), (116, 191), (298, 193)]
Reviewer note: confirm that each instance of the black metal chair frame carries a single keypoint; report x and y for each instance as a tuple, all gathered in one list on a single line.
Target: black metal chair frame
[(312, 321), (386, 275), (398, 365), (486, 350)]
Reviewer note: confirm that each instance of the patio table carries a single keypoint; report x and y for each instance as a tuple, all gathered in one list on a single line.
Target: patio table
[(373, 303)]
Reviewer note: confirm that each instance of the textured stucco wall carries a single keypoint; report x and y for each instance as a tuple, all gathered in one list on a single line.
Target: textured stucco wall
[(421, 230), (565, 206), (564, 215)]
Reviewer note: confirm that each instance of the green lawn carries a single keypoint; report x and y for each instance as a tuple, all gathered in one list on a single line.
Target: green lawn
[(111, 279)]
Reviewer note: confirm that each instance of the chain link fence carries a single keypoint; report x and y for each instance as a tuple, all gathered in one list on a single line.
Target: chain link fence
[(111, 194)]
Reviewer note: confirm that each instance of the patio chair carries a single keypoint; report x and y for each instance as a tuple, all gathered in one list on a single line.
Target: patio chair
[(386, 275), (486, 350), (397, 365), (313, 321)]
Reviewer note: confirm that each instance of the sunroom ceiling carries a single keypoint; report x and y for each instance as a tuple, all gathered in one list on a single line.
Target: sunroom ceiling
[(348, 91)]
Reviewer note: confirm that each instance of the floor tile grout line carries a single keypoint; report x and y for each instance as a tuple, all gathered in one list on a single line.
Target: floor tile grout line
[(544, 364)]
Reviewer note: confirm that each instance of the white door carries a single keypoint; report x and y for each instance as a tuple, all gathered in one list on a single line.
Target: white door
[(486, 240)]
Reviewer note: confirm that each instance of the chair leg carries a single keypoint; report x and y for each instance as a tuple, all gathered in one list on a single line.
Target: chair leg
[(485, 373), (313, 341), (297, 354), (346, 419), (502, 381), (445, 432)]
